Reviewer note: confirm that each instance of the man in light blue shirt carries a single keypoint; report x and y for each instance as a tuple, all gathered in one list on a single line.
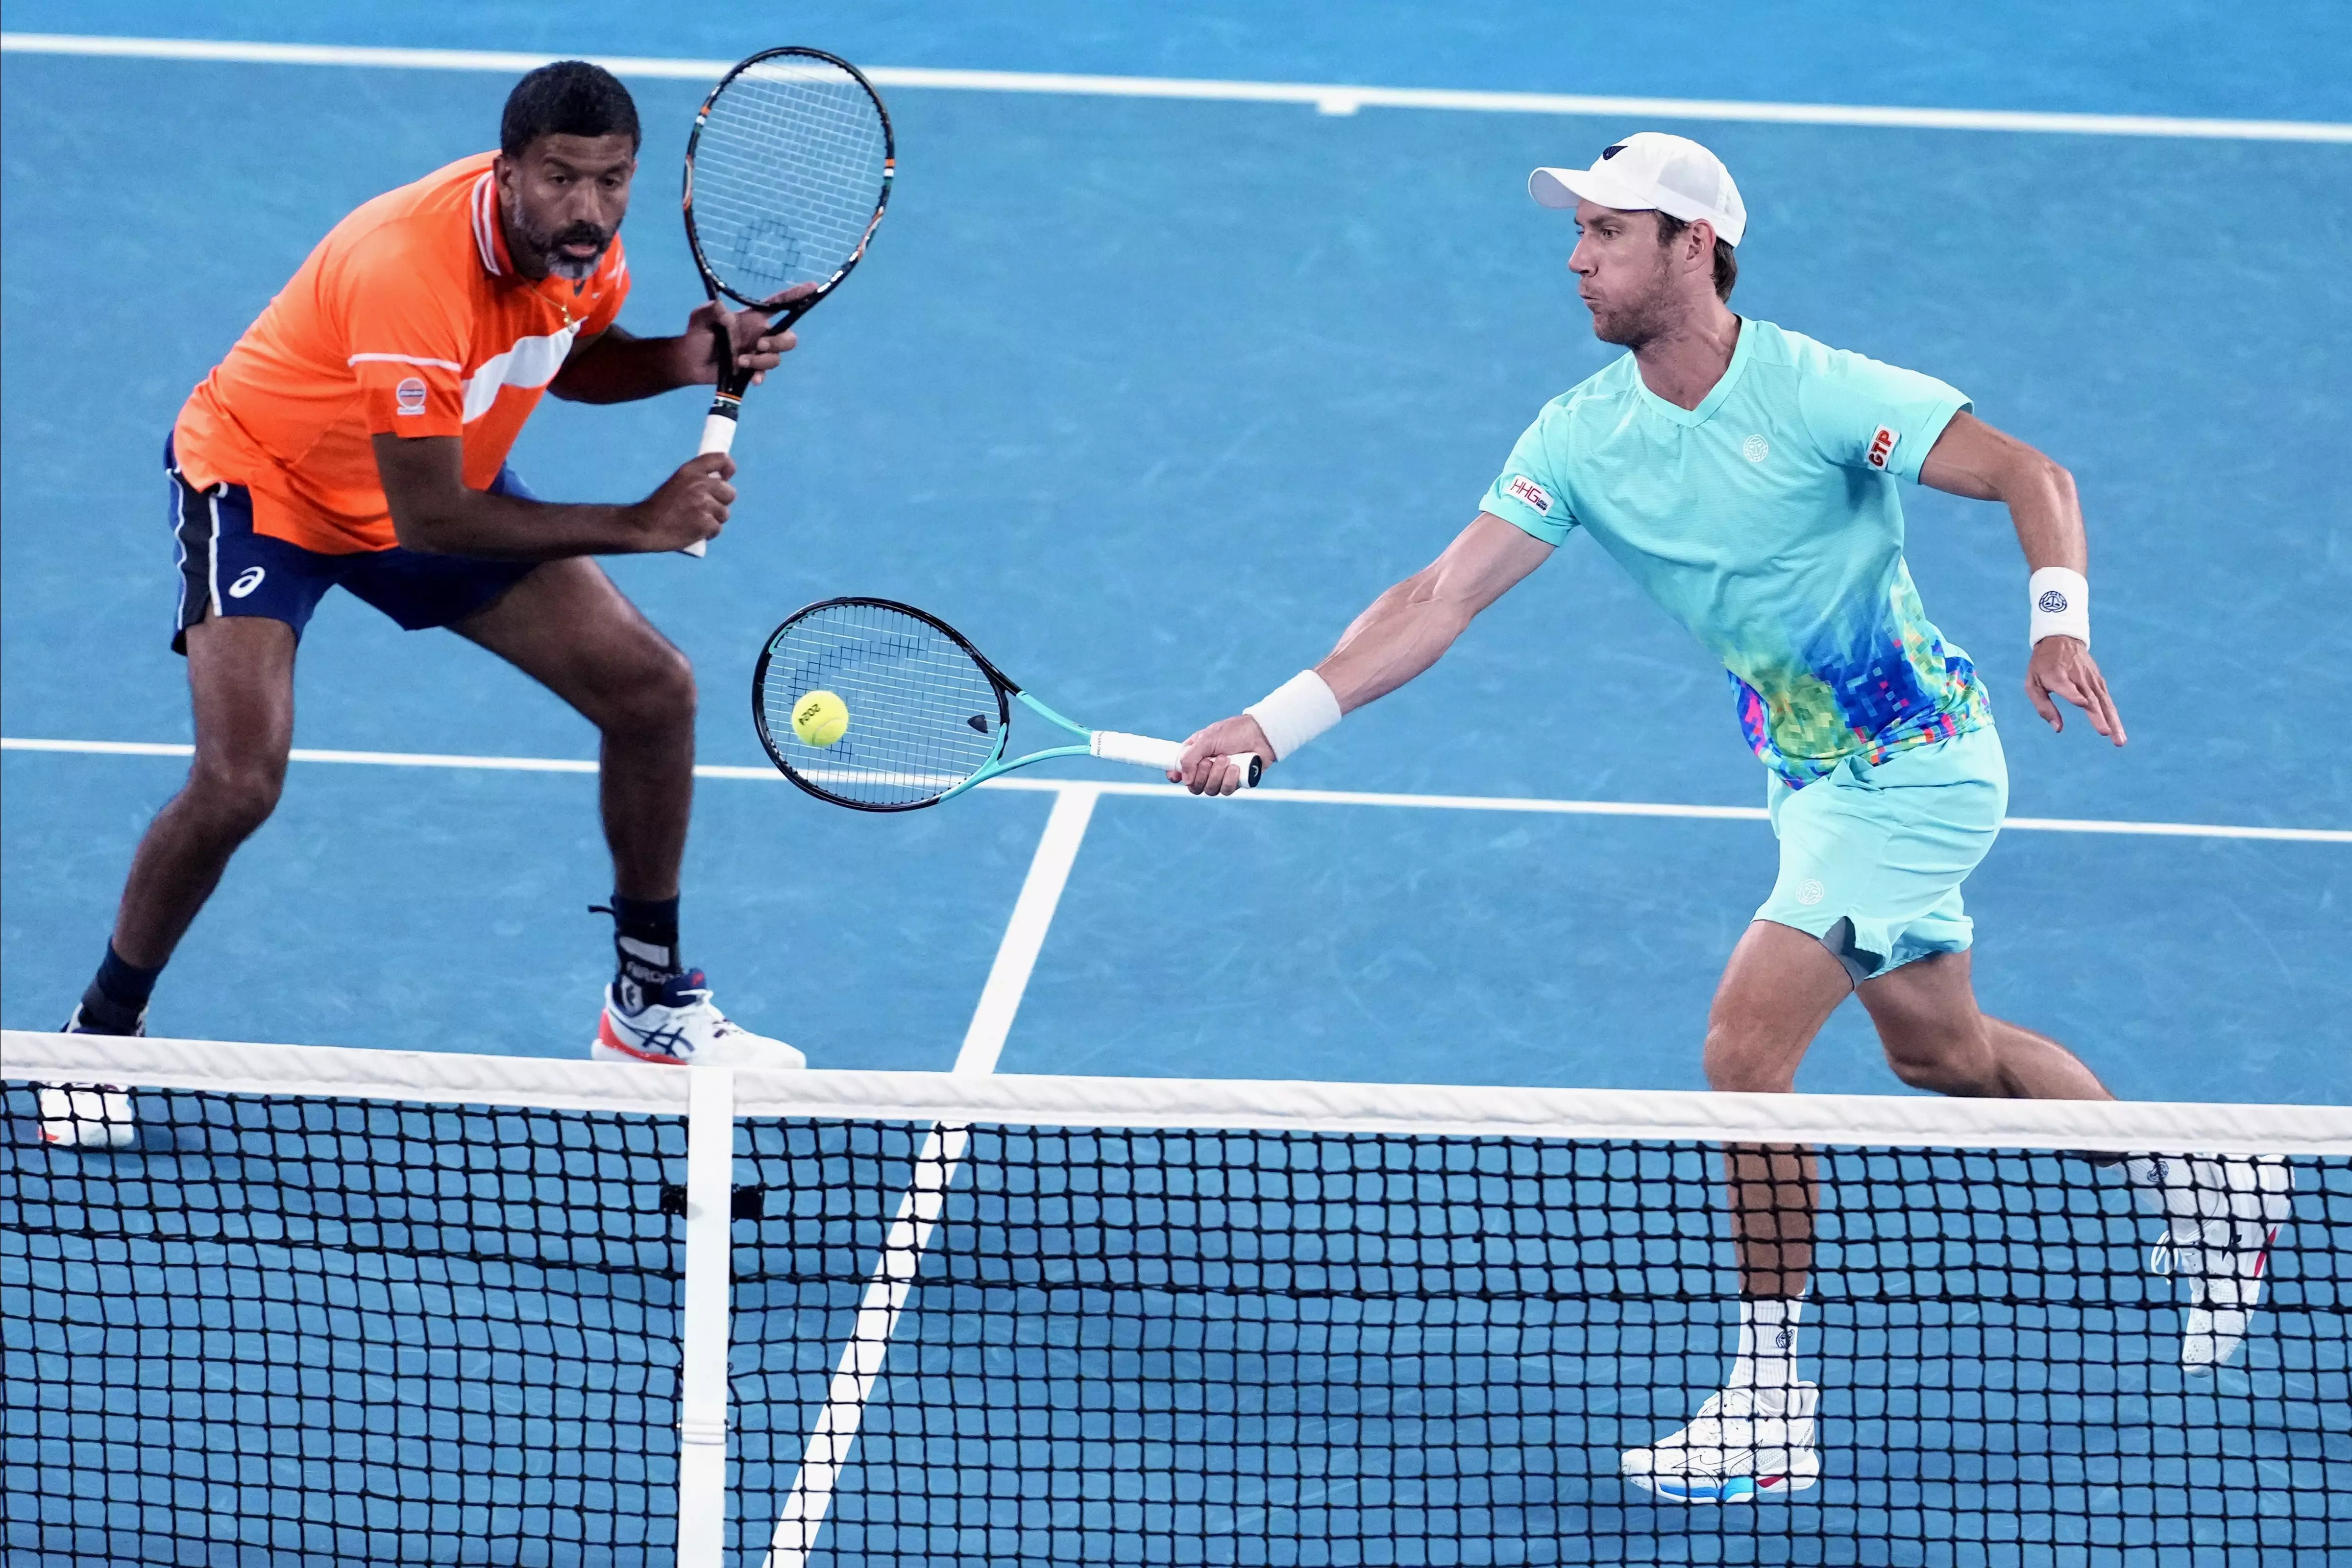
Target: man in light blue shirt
[(1747, 478)]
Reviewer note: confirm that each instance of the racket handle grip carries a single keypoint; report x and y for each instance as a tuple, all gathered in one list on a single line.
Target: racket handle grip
[(718, 436), (1143, 751)]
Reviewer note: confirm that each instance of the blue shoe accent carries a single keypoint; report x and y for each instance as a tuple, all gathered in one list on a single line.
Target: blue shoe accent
[(674, 992), (678, 991)]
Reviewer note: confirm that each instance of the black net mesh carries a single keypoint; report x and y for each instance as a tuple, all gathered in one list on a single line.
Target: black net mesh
[(277, 1331), (1225, 1347), (282, 1329)]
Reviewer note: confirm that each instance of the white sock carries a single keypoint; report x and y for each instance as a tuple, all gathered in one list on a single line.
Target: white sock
[(1767, 1344)]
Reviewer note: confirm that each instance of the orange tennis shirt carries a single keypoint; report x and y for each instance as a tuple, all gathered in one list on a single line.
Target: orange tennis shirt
[(409, 318)]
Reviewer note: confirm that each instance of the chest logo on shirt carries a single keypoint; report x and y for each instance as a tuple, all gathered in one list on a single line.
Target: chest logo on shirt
[(1529, 494), (1881, 447), (1755, 449), (409, 395)]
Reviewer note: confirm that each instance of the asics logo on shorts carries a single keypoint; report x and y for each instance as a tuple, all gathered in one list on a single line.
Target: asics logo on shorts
[(247, 580)]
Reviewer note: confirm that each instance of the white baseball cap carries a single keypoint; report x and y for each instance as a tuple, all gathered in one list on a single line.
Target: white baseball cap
[(1652, 172)]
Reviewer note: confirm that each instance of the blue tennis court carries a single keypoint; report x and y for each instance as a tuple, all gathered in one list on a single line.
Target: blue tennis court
[(1150, 394)]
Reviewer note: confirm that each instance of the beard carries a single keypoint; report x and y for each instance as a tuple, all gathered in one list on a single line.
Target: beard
[(1630, 322), (546, 246)]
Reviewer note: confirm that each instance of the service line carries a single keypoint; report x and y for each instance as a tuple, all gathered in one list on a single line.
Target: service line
[(1535, 804)]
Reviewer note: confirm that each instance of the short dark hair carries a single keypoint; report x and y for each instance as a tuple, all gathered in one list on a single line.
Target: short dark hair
[(570, 97), (1727, 265)]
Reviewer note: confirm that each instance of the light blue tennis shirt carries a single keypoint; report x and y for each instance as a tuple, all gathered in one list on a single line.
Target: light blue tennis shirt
[(1766, 520)]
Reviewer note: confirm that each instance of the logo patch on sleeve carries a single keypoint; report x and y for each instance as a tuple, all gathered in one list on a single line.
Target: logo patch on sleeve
[(1528, 492), (1881, 447), (409, 395)]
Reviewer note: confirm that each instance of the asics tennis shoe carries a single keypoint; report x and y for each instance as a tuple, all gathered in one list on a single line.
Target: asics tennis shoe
[(90, 1116), (1744, 1444), (2223, 1213), (680, 1026)]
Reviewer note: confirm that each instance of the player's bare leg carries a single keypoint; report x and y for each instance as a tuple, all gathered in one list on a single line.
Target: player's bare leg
[(241, 686), (1780, 987), (567, 627), (1754, 1438), (2221, 1213), (1938, 1038)]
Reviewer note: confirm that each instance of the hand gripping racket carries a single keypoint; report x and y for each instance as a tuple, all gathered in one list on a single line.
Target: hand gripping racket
[(927, 716), (787, 174)]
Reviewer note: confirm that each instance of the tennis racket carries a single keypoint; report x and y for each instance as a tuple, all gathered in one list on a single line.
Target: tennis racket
[(927, 716), (787, 174)]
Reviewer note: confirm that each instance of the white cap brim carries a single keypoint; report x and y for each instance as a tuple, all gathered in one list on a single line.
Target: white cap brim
[(1566, 187)]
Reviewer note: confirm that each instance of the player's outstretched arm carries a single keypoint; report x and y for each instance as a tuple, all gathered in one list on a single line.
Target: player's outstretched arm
[(1403, 631), (1973, 459)]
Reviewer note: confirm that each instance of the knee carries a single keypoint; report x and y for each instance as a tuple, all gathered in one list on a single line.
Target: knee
[(234, 796), (1921, 1071), (1739, 1063), (652, 693), (1946, 1060)]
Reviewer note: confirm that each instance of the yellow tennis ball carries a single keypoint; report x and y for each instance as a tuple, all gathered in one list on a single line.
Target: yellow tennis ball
[(820, 718)]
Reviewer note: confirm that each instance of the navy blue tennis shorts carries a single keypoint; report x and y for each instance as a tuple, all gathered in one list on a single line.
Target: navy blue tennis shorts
[(226, 568)]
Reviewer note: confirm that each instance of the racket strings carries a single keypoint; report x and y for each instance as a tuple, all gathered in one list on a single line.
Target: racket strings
[(913, 696), (788, 174)]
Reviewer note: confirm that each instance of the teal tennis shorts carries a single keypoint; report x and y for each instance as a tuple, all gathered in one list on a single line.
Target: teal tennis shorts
[(1872, 856)]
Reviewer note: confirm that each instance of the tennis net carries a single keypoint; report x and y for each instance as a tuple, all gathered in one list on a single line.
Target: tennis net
[(284, 1304)]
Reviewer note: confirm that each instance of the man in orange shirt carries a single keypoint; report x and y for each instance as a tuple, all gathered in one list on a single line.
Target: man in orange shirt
[(356, 436)]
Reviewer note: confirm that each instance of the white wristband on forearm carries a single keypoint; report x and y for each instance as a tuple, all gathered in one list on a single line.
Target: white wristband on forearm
[(2062, 604), (1295, 713)]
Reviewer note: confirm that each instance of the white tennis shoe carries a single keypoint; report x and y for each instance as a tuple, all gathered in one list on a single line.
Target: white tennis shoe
[(1744, 1444), (680, 1026), (89, 1115), (2223, 1213)]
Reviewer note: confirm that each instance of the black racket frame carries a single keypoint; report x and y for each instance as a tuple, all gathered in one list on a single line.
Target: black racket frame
[(1005, 691), (733, 381)]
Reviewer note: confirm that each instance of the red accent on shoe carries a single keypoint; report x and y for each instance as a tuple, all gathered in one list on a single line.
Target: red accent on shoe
[(605, 1035)]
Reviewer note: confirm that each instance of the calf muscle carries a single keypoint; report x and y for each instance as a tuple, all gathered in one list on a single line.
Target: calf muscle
[(241, 686), (1937, 1038), (567, 627)]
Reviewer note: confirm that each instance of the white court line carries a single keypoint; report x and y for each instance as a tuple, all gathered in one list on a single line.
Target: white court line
[(1533, 804), (834, 1436), (1325, 98)]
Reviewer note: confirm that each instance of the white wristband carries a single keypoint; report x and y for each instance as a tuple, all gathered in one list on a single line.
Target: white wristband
[(1295, 713), (2062, 604)]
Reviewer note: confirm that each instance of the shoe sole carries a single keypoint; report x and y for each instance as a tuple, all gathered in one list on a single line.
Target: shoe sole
[(602, 1049), (1732, 1489)]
